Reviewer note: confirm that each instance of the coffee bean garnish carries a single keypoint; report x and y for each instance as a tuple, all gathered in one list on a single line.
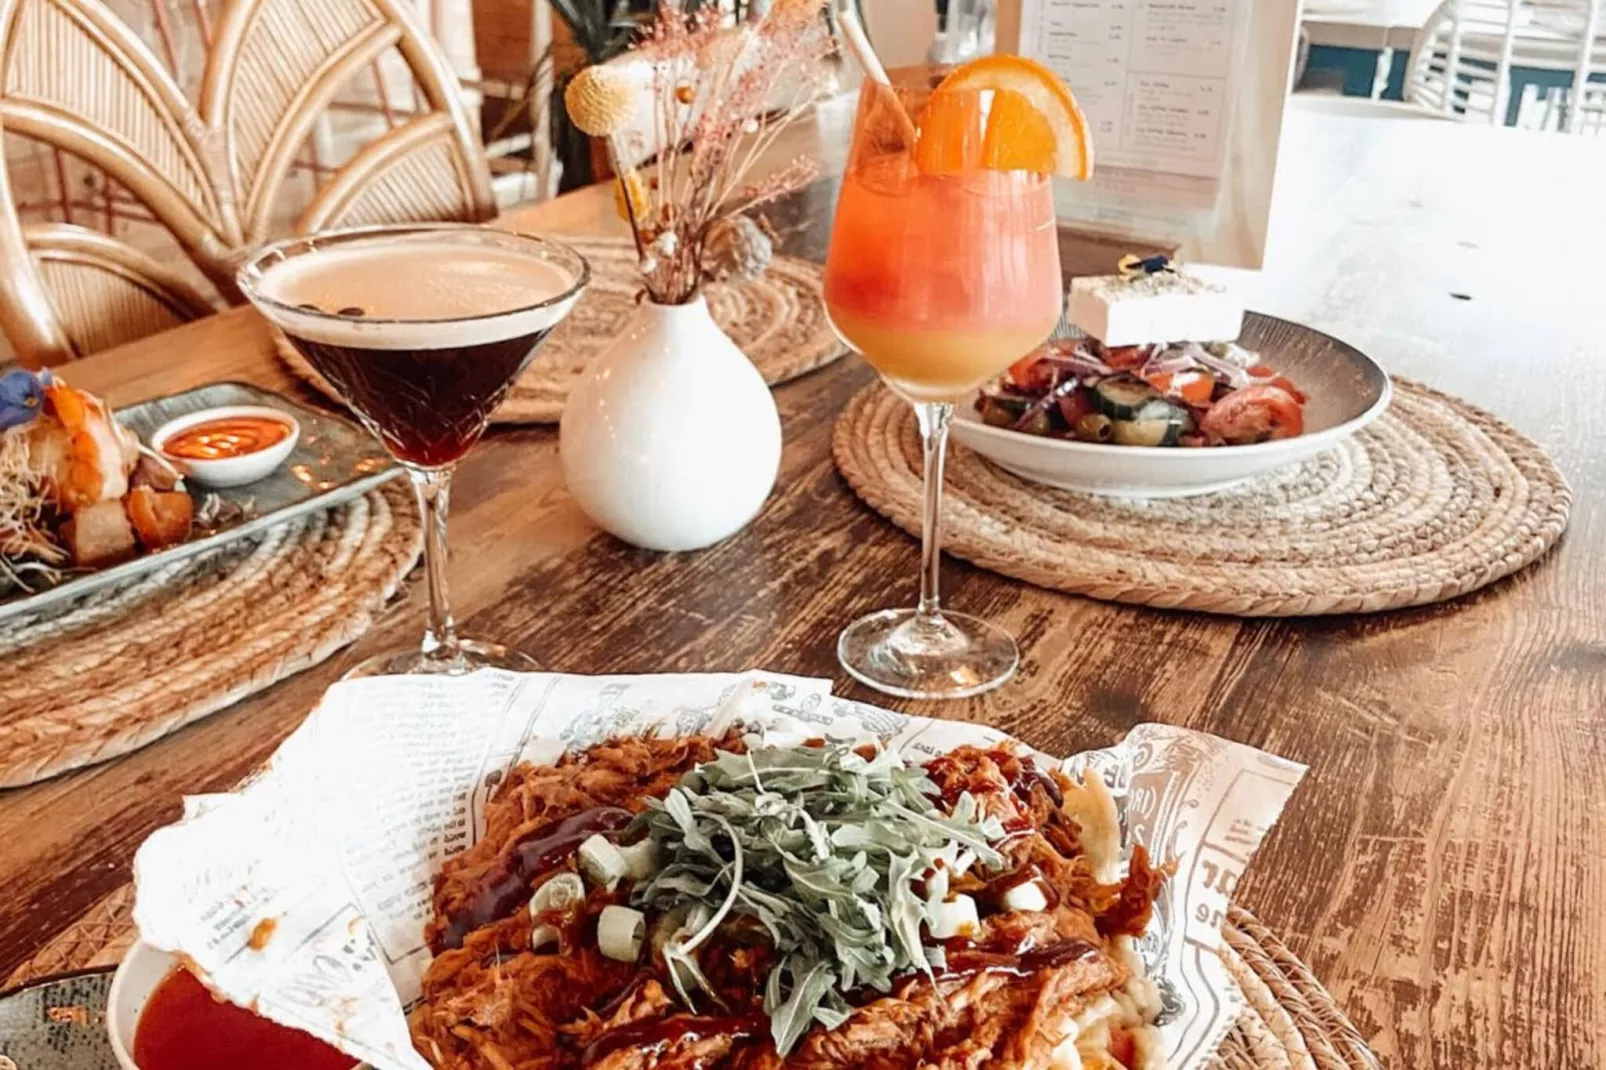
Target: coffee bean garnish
[(309, 307), (351, 310)]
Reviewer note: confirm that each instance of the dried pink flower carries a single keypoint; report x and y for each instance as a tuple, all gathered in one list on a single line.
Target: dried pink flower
[(720, 95)]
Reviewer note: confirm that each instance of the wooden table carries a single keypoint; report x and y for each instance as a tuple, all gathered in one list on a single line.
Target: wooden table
[(1442, 867)]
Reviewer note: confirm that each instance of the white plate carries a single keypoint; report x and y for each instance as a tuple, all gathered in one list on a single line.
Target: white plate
[(1347, 391)]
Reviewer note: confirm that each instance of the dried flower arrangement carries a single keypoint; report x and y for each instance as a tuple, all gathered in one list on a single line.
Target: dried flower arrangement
[(712, 92)]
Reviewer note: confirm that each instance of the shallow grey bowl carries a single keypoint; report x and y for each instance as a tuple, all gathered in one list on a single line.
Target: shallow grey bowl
[(1346, 388)]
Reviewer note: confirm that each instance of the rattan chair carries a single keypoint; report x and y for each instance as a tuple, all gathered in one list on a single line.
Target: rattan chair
[(76, 78)]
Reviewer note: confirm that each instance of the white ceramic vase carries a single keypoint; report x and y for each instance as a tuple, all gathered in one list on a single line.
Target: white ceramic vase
[(671, 440)]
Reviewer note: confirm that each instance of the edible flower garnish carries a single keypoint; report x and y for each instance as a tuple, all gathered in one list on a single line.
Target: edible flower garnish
[(1132, 266), (22, 397), (838, 854)]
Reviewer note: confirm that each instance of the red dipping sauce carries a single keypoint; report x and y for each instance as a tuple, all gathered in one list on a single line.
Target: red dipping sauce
[(182, 1027)]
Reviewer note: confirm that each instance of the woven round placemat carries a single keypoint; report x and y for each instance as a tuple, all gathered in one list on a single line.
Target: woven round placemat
[(778, 320), (117, 670), (1289, 1022), (1435, 499)]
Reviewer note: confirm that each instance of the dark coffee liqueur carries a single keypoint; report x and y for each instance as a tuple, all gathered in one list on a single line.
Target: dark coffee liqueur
[(428, 406), (421, 338)]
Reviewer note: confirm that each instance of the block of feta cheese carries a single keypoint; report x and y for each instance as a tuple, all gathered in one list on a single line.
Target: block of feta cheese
[(1168, 306)]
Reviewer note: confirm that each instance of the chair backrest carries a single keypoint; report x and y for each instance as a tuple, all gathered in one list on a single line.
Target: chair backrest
[(75, 77), (1466, 54)]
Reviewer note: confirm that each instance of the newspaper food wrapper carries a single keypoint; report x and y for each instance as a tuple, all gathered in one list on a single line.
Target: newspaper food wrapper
[(304, 894)]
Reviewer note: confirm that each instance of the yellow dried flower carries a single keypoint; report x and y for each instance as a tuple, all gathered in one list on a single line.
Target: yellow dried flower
[(600, 100), (630, 194)]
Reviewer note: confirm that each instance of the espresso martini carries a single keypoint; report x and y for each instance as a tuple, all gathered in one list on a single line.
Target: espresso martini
[(422, 328), (422, 336)]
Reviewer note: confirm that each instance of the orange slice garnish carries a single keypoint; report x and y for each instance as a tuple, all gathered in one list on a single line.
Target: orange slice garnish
[(952, 132), (1031, 122)]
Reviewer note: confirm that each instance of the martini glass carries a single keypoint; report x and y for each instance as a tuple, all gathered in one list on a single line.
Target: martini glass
[(422, 328), (940, 274)]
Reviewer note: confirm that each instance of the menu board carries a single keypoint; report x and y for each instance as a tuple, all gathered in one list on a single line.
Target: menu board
[(1184, 104), (1153, 76)]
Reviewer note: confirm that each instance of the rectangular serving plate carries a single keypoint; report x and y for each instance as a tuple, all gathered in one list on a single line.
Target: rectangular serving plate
[(333, 462)]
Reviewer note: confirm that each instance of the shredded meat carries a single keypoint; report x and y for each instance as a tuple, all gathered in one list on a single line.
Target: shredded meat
[(1006, 1000)]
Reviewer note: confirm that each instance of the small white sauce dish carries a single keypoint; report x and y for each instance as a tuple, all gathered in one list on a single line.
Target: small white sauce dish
[(142, 969), (229, 471)]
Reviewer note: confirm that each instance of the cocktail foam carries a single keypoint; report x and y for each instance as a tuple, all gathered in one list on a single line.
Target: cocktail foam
[(415, 292)]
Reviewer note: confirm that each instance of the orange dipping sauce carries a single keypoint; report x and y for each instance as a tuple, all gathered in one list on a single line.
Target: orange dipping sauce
[(182, 1027), (230, 436)]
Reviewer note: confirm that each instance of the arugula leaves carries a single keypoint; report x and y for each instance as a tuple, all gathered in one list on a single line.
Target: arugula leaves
[(823, 848)]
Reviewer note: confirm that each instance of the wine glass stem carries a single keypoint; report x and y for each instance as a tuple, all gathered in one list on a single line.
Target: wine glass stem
[(933, 419), (433, 487)]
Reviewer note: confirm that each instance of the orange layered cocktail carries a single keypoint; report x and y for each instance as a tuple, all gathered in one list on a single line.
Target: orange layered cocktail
[(943, 280), (944, 264), (944, 270)]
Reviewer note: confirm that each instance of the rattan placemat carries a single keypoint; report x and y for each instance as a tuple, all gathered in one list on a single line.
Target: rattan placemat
[(1435, 499), (778, 320), (1289, 1022), (120, 669)]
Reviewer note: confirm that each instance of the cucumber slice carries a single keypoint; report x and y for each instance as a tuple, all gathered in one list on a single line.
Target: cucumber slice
[(1120, 399), (1143, 432), (1159, 409), (1156, 423)]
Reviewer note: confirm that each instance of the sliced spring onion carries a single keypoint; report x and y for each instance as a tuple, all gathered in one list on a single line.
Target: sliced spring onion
[(641, 860), (956, 917), (544, 936), (601, 861), (560, 892), (620, 931), (1026, 896)]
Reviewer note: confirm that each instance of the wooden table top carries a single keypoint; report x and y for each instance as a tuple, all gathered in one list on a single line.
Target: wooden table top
[(1441, 868)]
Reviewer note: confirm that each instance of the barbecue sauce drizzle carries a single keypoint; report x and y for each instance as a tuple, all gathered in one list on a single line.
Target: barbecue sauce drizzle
[(507, 884)]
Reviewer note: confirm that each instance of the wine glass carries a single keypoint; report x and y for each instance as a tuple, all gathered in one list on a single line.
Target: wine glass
[(422, 328), (941, 273)]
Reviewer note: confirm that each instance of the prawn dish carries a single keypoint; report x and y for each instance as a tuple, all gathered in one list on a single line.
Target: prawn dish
[(1177, 394), (703, 903), (76, 488)]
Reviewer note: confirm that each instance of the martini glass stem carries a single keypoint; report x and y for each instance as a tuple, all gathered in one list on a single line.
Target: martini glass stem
[(933, 419), (433, 488)]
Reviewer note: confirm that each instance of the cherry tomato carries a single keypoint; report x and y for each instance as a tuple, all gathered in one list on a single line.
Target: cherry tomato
[(1030, 375), (1254, 414), (1074, 406), (1126, 358)]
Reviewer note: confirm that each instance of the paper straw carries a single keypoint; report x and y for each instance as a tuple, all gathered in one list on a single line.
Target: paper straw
[(859, 44)]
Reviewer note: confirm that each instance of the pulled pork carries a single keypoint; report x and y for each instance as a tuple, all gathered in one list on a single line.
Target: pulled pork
[(1009, 997)]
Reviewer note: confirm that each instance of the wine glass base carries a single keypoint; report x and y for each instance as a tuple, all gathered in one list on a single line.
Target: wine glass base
[(953, 655), (470, 654)]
